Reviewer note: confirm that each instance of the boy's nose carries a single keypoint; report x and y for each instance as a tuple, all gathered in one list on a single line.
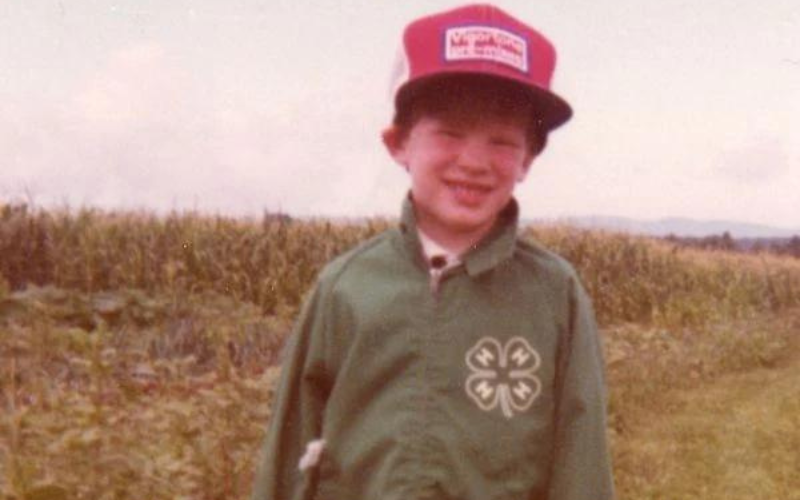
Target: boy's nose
[(473, 155)]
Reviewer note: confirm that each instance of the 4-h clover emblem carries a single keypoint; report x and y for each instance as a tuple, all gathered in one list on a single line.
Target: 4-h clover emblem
[(503, 375)]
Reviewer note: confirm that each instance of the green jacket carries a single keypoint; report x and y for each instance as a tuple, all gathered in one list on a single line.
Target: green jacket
[(486, 385)]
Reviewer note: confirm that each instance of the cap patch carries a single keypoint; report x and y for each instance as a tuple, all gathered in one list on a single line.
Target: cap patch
[(465, 43)]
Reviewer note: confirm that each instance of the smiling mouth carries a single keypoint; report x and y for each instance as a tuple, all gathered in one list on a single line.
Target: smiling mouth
[(469, 193), (468, 186)]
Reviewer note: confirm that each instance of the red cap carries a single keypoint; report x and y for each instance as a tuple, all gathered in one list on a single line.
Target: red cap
[(481, 40)]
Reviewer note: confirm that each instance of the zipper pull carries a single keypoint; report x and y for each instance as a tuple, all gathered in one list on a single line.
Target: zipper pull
[(436, 269)]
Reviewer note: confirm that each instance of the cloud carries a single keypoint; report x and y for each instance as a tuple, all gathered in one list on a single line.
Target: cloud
[(121, 135), (760, 160), (135, 86), (144, 130)]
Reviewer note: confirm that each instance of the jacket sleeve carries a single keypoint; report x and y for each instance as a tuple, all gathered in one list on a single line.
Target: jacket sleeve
[(581, 466), (296, 417)]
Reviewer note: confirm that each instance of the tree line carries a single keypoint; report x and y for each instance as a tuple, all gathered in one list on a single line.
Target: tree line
[(778, 246)]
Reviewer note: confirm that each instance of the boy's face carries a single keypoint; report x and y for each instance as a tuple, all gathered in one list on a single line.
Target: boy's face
[(463, 167)]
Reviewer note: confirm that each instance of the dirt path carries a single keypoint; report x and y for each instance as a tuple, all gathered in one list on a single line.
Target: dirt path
[(735, 438)]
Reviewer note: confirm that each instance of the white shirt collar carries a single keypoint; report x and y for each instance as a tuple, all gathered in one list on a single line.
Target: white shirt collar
[(432, 249)]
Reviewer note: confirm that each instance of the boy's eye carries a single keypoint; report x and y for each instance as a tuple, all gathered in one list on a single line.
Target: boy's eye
[(506, 142), (450, 132)]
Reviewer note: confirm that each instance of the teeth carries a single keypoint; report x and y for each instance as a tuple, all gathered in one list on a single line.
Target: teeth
[(465, 187), (468, 194)]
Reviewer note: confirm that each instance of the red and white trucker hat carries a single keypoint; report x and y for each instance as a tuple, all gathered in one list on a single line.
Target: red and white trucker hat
[(479, 40)]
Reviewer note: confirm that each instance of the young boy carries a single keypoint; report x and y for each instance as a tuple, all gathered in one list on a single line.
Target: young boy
[(445, 358)]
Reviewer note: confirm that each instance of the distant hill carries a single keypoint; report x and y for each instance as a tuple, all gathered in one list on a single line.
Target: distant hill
[(677, 226)]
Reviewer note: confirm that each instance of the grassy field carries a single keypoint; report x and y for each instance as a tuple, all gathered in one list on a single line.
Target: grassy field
[(139, 354), (736, 438), (715, 418)]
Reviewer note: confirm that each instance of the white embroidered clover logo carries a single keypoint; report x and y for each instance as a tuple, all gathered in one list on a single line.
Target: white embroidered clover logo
[(503, 375)]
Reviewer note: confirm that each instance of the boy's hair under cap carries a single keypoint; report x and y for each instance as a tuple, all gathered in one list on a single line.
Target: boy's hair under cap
[(479, 40)]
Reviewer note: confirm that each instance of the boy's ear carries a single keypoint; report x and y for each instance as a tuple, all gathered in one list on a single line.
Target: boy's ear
[(394, 140)]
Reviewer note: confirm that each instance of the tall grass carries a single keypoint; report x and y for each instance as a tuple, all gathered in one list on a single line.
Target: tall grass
[(641, 280), (272, 262), (269, 262)]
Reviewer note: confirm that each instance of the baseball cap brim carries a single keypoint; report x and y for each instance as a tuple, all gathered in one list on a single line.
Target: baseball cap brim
[(549, 108)]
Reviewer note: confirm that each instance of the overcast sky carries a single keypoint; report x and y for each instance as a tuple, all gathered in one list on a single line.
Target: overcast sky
[(682, 108)]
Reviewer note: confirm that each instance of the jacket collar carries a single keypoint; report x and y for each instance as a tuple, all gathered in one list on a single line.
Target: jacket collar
[(493, 249)]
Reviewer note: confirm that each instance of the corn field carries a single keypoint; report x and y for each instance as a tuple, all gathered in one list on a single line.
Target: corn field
[(139, 352), (271, 263)]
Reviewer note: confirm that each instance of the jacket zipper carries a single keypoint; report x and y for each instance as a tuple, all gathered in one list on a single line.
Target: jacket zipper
[(435, 281), (436, 268)]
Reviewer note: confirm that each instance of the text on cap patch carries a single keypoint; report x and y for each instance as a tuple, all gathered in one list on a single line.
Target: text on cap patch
[(466, 43)]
